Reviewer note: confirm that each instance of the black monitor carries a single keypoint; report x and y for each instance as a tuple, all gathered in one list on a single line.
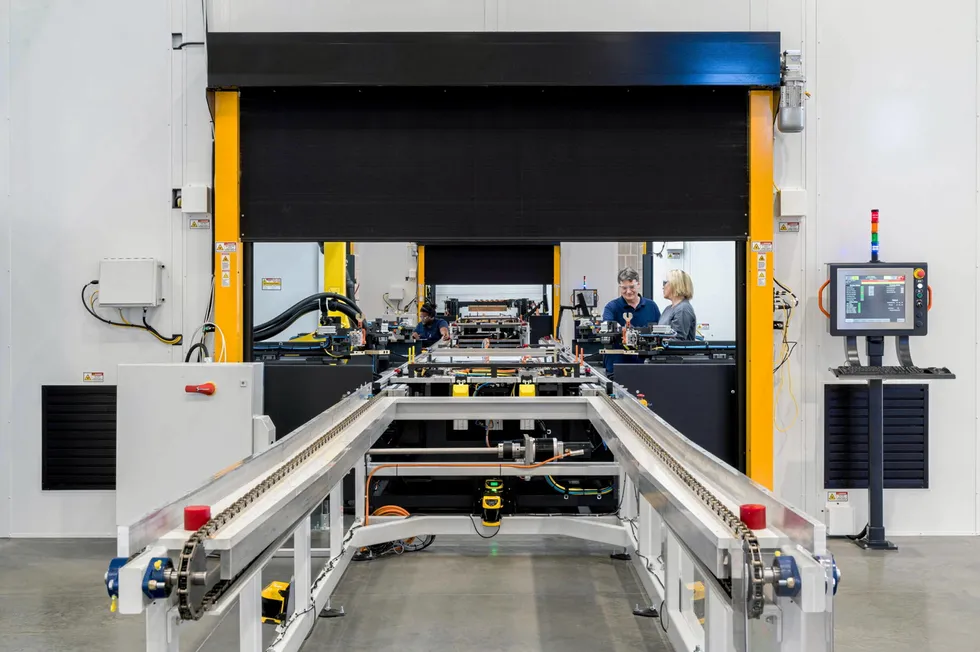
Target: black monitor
[(586, 298), (879, 299)]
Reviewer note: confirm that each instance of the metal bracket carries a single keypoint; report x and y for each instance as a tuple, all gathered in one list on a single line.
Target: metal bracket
[(851, 351), (330, 612), (903, 351), (646, 612)]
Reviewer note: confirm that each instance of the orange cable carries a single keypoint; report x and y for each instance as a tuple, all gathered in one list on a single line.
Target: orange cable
[(367, 484)]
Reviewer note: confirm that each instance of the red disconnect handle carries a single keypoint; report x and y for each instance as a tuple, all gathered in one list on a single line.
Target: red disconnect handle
[(195, 516), (205, 388), (753, 516)]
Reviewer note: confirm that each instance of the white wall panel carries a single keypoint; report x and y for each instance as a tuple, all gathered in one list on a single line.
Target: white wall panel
[(6, 463), (296, 265), (346, 16), (92, 179), (897, 132), (381, 265), (622, 15)]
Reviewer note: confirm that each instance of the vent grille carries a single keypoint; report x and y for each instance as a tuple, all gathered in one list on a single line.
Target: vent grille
[(906, 436), (78, 437)]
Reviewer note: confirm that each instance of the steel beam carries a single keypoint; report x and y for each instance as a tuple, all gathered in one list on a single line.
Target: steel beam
[(405, 470), (486, 408)]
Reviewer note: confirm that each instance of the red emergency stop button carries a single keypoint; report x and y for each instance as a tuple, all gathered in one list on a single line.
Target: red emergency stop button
[(919, 273), (206, 388)]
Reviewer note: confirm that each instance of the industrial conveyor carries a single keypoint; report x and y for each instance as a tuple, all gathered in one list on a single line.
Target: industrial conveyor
[(721, 585)]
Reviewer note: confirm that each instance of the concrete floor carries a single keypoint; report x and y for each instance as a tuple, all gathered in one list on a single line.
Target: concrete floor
[(554, 594)]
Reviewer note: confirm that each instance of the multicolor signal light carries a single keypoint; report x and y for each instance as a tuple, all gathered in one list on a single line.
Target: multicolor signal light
[(874, 235)]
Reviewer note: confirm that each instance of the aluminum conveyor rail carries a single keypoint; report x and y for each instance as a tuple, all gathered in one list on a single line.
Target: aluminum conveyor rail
[(679, 501)]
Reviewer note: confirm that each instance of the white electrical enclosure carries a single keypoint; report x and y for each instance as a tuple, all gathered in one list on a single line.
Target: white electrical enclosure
[(130, 283), (158, 417)]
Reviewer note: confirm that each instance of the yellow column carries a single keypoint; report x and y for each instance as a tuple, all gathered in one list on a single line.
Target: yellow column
[(335, 272), (228, 295), (556, 293), (420, 278), (758, 327)]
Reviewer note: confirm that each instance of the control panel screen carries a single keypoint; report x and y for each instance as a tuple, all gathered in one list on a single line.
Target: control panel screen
[(878, 299), (590, 298), (874, 298)]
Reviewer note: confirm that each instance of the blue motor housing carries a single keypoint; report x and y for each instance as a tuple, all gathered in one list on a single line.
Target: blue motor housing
[(112, 576), (790, 582), (155, 578)]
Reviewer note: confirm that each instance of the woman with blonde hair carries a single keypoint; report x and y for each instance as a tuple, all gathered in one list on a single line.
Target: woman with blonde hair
[(679, 315)]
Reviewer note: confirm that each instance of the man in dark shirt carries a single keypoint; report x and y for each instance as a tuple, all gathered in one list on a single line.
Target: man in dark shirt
[(430, 329), (644, 311)]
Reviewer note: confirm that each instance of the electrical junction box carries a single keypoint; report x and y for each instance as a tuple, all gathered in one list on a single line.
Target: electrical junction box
[(792, 202), (195, 199), (396, 293), (675, 247), (130, 283)]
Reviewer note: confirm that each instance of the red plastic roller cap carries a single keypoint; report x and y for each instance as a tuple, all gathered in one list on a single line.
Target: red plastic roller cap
[(195, 516), (754, 516)]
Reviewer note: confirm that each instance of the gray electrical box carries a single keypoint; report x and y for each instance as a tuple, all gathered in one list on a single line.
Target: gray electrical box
[(130, 283)]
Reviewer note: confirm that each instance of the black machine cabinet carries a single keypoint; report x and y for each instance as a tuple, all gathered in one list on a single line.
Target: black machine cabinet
[(697, 398), (295, 392)]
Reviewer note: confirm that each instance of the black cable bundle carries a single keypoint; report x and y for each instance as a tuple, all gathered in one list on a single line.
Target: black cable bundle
[(328, 301)]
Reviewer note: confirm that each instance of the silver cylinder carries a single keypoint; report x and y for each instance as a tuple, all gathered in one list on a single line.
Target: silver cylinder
[(434, 451)]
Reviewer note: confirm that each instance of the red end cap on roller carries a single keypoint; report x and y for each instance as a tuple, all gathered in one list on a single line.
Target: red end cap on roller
[(754, 516), (195, 516)]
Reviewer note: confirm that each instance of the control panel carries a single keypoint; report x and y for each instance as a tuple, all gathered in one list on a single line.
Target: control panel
[(879, 299)]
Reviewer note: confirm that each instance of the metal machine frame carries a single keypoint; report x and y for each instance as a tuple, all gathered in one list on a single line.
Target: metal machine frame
[(772, 586), (644, 59)]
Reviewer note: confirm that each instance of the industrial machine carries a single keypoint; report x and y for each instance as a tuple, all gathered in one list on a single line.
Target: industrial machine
[(876, 300), (703, 538)]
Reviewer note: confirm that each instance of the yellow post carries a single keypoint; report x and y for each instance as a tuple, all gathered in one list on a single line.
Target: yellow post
[(228, 296), (758, 327), (556, 293), (335, 273), (420, 277)]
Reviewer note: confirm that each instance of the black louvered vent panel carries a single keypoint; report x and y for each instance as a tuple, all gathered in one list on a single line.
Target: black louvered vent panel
[(906, 437), (78, 437)]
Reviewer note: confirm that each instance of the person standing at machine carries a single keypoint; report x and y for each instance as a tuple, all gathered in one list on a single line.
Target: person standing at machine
[(644, 312), (430, 328), (679, 315)]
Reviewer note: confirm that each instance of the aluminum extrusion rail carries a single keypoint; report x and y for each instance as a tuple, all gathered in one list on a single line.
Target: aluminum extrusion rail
[(756, 597), (193, 598)]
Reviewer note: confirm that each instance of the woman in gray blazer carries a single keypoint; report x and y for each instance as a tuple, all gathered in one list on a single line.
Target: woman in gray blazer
[(679, 315)]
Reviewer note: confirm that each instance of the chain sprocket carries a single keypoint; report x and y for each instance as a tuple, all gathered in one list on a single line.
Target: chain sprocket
[(193, 558)]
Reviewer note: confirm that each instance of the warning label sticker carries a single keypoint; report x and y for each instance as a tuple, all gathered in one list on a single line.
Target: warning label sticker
[(201, 223), (226, 279), (226, 247), (272, 284), (789, 226), (837, 497), (225, 263), (761, 246), (93, 377)]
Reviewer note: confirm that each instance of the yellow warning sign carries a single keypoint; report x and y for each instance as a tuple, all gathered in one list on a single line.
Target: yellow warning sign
[(761, 246), (226, 247), (93, 377), (272, 284)]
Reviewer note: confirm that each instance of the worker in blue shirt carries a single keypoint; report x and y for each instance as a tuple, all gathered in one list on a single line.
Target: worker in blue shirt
[(645, 312), (430, 329)]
